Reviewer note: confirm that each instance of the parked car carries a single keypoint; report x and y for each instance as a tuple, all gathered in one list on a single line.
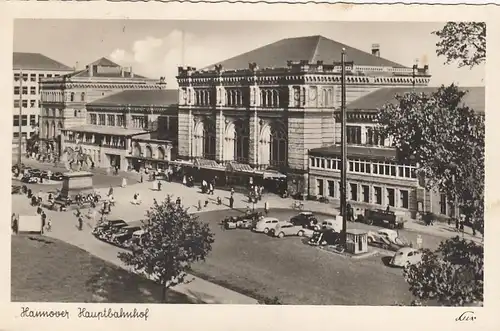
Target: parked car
[(107, 225), (135, 240), (324, 237), (124, 234), (306, 219), (57, 176), (331, 223), (387, 239), (248, 221), (406, 256), (30, 179), (289, 229), (384, 218), (229, 223), (266, 224)]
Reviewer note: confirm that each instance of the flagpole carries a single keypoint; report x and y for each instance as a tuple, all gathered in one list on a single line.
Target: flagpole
[(343, 175)]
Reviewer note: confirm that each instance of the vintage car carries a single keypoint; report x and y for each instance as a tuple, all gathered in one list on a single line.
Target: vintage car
[(248, 221), (229, 223), (306, 219), (134, 241), (324, 237), (406, 256), (289, 229), (30, 179), (266, 225), (385, 218), (57, 176), (387, 239), (111, 225), (124, 234), (334, 224)]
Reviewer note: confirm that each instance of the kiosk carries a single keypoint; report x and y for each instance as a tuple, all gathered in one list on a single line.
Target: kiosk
[(356, 241)]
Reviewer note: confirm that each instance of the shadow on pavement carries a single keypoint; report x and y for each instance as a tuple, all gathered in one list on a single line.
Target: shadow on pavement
[(386, 260), (118, 286)]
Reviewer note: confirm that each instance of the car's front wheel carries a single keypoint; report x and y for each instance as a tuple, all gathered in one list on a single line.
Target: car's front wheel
[(266, 230), (281, 235), (300, 233)]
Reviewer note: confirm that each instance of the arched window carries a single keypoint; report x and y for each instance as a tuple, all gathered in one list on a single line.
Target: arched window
[(72, 96), (209, 139), (242, 141), (161, 153), (276, 99), (149, 152), (278, 145), (136, 149)]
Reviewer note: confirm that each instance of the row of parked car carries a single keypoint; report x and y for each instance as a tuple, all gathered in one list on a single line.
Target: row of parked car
[(119, 233), (326, 232), (33, 175)]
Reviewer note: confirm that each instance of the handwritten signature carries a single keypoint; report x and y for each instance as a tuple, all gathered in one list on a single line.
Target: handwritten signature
[(467, 316)]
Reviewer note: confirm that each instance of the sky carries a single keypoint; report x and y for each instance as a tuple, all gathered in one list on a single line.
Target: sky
[(154, 47)]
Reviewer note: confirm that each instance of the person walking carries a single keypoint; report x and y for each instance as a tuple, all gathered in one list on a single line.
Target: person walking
[(49, 225), (266, 207), (159, 185), (206, 202), (178, 201), (231, 202), (80, 223), (124, 182), (211, 190), (199, 205), (457, 224)]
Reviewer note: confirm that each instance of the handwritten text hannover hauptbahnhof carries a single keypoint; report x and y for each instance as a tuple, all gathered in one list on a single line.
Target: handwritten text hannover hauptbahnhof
[(106, 313)]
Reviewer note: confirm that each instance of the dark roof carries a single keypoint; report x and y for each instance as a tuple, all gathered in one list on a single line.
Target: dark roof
[(361, 152), (103, 62), (139, 98), (311, 48), (474, 99), (37, 61)]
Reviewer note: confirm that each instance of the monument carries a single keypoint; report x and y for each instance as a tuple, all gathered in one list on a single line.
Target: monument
[(75, 182)]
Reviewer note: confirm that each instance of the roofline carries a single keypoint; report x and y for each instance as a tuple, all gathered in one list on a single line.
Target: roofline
[(69, 70)]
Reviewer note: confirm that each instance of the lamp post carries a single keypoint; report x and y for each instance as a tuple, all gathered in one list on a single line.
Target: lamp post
[(19, 151), (414, 72)]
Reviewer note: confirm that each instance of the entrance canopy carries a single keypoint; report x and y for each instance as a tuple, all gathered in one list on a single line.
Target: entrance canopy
[(269, 174)]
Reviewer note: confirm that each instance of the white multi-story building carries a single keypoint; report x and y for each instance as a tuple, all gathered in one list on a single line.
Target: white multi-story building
[(28, 69)]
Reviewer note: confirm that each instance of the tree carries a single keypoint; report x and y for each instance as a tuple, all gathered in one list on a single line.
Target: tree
[(464, 42), (173, 239), (445, 139), (452, 275)]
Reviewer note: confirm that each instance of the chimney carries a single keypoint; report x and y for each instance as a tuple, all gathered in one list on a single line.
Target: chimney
[(90, 69), (376, 50), (131, 73), (76, 66)]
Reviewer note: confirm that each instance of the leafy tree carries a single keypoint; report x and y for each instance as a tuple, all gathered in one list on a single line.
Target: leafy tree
[(173, 239), (445, 139), (463, 42), (452, 275)]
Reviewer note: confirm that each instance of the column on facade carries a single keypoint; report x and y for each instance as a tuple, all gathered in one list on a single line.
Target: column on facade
[(291, 96), (219, 138), (253, 149)]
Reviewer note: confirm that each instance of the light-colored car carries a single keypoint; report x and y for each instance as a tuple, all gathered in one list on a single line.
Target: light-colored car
[(406, 256), (289, 229), (266, 224), (332, 223), (387, 239)]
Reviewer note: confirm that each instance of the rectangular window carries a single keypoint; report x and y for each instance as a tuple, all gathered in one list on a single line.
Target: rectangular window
[(41, 76), (16, 120), (111, 120), (365, 191), (377, 192), (375, 169), (24, 120), (390, 197), (15, 135), (25, 77), (353, 134), (16, 90), (319, 187), (25, 89), (16, 103), (93, 119), (25, 103), (102, 119), (407, 172), (49, 75), (32, 90), (32, 119), (401, 171), (354, 191), (356, 166), (393, 170), (351, 166), (443, 204), (312, 162), (33, 77), (381, 169), (24, 135), (405, 199), (120, 120), (323, 163), (16, 77), (32, 103), (328, 164), (331, 188)]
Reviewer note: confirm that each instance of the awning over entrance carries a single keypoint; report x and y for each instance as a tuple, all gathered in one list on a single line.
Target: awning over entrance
[(210, 164), (239, 167), (270, 174)]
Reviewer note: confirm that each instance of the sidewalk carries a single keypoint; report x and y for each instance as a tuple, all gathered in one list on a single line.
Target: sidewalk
[(64, 227)]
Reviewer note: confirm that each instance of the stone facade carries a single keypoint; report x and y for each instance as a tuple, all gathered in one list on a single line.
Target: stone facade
[(285, 112)]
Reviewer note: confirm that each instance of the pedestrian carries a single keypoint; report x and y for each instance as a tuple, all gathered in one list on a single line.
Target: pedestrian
[(473, 226), (232, 191), (178, 201), (124, 182), (44, 219), (184, 181), (49, 225), (211, 189), (159, 185), (419, 242), (199, 205), (80, 223), (206, 202), (266, 207), (457, 224), (110, 191), (219, 201), (231, 202), (142, 178), (15, 225)]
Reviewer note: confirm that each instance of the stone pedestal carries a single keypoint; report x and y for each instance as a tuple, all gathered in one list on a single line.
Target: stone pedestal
[(75, 182)]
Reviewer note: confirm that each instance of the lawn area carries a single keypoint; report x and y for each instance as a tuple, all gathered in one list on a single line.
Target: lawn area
[(48, 270)]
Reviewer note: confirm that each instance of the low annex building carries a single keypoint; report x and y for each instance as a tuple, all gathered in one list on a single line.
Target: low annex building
[(266, 108), (129, 130), (374, 178)]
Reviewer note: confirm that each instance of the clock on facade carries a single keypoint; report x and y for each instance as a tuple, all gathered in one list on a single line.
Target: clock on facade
[(313, 94)]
